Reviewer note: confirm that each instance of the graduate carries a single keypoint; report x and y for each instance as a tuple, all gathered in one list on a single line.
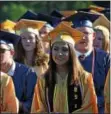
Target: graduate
[(95, 61), (8, 101), (107, 93), (24, 78), (66, 87), (30, 49), (102, 28)]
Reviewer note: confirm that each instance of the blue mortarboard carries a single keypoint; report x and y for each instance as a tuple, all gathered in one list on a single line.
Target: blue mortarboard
[(56, 13), (82, 19), (9, 38), (54, 21), (29, 15)]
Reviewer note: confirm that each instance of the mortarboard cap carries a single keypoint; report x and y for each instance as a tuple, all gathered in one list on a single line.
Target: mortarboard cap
[(63, 32), (68, 13), (106, 12), (29, 15), (53, 21), (8, 26), (96, 8), (102, 20), (8, 38), (56, 13), (82, 19), (29, 25)]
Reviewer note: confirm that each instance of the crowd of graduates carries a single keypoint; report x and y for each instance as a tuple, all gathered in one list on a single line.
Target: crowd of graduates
[(56, 63)]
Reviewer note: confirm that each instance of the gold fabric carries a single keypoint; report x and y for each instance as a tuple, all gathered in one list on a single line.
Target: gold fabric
[(8, 101), (107, 94), (60, 99)]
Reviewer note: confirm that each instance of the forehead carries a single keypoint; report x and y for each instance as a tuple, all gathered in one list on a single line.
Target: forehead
[(4, 46), (26, 34), (60, 44), (85, 29)]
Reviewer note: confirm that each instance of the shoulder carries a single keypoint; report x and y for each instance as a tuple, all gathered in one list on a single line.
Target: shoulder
[(24, 68), (85, 77), (101, 53), (4, 79)]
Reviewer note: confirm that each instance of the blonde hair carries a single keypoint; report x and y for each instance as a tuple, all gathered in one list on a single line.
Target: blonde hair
[(105, 32)]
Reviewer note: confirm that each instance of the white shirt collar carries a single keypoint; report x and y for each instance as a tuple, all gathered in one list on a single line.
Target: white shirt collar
[(12, 69), (86, 54)]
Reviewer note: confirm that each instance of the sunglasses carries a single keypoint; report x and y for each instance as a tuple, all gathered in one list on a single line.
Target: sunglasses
[(3, 50)]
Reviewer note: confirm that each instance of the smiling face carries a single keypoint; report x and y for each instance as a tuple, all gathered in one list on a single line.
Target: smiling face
[(60, 53), (86, 43), (28, 41), (99, 39)]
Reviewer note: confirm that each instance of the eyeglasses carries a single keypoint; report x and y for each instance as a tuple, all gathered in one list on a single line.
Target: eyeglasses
[(3, 50)]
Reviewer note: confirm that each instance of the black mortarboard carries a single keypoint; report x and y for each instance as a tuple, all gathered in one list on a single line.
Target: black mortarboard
[(54, 21), (8, 38), (29, 15), (56, 13), (106, 12), (84, 9), (82, 19)]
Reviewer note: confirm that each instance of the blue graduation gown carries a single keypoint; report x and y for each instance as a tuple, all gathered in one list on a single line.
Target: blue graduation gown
[(101, 66), (24, 80)]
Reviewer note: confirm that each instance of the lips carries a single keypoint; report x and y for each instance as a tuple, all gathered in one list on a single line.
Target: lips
[(59, 59), (83, 42)]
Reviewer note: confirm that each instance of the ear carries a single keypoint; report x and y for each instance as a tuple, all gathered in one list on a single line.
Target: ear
[(94, 35), (12, 52)]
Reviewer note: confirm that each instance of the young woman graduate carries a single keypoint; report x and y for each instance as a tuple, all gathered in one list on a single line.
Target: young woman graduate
[(66, 87)]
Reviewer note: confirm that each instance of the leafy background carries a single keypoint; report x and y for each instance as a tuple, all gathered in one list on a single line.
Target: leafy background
[(15, 9)]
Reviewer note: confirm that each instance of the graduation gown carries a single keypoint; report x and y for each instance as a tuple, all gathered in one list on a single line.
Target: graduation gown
[(24, 81), (107, 94), (61, 97), (40, 70), (101, 66), (8, 101)]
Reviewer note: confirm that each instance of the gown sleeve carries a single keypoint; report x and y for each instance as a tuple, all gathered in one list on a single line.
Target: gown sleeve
[(39, 100), (10, 101), (107, 93), (89, 99)]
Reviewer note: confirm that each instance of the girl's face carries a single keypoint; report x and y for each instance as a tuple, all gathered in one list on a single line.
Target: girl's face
[(28, 41), (60, 53), (98, 40)]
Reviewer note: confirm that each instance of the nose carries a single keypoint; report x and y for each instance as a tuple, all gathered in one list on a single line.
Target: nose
[(28, 40), (60, 53)]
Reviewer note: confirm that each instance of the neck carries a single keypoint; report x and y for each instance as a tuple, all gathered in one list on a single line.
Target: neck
[(62, 69), (84, 50), (29, 57), (5, 67)]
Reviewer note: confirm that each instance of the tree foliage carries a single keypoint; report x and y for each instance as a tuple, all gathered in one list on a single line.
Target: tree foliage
[(15, 9)]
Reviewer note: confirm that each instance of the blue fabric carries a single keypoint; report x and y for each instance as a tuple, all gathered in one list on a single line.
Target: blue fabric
[(53, 21), (102, 65), (82, 19), (24, 80), (8, 37)]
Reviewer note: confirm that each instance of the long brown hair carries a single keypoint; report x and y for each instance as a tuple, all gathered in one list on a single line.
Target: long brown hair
[(74, 68), (39, 58)]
